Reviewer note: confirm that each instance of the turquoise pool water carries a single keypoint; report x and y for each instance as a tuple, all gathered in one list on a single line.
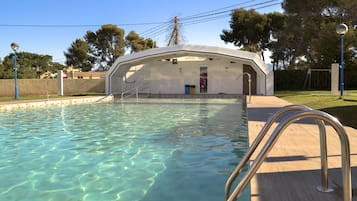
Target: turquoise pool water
[(127, 152)]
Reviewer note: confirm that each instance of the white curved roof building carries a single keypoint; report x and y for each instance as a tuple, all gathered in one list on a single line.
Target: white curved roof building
[(201, 69)]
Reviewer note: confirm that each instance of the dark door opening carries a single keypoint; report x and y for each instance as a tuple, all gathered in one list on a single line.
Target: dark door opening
[(203, 80), (253, 74)]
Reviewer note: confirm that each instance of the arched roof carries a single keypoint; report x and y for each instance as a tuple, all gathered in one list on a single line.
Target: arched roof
[(185, 50)]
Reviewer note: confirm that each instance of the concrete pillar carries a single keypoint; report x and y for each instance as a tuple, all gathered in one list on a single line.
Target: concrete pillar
[(335, 69), (60, 83)]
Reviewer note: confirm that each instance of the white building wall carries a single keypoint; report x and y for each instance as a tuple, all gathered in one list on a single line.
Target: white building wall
[(224, 77), (168, 78), (260, 84), (116, 88), (163, 77), (270, 84)]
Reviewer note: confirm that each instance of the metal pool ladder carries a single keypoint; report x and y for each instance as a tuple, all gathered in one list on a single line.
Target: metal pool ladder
[(136, 89), (301, 112)]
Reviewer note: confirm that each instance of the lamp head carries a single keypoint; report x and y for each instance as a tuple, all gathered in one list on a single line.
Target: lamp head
[(341, 29), (14, 46)]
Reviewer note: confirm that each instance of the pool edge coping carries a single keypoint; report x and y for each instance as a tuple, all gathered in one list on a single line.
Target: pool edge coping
[(30, 104)]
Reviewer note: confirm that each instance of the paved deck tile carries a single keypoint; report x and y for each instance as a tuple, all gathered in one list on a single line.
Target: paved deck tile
[(292, 170)]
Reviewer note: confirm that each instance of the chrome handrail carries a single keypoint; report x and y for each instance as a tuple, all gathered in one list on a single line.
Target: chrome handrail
[(317, 115), (132, 89), (103, 98), (261, 135)]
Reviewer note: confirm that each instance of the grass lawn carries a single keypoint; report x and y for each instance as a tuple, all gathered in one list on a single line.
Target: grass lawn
[(345, 109)]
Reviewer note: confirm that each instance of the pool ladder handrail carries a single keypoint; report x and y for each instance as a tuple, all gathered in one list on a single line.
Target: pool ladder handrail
[(263, 133), (127, 91), (104, 98), (305, 112)]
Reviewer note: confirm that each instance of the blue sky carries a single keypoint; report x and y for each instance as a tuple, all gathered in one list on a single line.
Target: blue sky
[(55, 40)]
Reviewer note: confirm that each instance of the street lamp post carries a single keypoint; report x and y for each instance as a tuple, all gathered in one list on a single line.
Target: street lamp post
[(14, 47), (342, 29)]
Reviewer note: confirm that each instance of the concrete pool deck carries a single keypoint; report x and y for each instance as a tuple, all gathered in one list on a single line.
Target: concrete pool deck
[(292, 170)]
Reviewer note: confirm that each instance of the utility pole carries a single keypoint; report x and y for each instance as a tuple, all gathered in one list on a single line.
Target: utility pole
[(176, 31), (174, 38)]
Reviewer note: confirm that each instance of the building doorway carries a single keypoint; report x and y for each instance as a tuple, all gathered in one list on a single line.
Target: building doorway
[(253, 74), (203, 79)]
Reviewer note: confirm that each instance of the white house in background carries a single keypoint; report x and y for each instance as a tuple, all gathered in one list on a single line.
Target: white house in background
[(175, 69)]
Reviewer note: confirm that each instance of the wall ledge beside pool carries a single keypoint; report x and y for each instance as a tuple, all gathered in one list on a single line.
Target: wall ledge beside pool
[(28, 104)]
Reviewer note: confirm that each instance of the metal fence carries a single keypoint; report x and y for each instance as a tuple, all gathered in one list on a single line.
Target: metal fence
[(315, 80)]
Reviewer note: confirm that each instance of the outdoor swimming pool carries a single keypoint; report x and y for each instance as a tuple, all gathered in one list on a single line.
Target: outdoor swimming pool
[(128, 152)]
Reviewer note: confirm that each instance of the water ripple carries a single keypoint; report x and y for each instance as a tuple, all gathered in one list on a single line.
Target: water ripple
[(131, 152)]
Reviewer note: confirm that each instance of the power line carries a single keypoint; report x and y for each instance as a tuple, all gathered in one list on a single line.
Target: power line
[(215, 10), (205, 20), (157, 32), (157, 28), (211, 18), (267, 6), (226, 11), (165, 26), (160, 25), (74, 25), (208, 16)]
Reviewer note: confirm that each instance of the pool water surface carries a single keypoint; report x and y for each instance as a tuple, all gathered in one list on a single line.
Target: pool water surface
[(127, 152)]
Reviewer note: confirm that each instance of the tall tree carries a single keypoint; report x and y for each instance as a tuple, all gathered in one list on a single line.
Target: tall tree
[(137, 43), (29, 65), (249, 30), (282, 41), (254, 32), (5, 72), (105, 45), (312, 24), (77, 55)]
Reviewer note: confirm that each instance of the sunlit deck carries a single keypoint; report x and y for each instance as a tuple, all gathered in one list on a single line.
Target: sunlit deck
[(292, 170)]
